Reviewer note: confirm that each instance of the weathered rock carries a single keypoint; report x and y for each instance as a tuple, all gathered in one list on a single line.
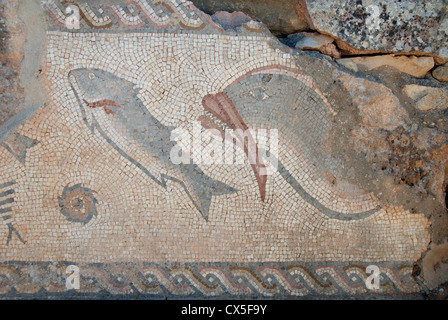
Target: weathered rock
[(303, 14), (427, 98), (386, 25), (12, 36), (330, 50), (229, 20), (282, 17), (405, 146), (309, 40), (415, 66), (378, 106), (313, 41), (434, 266), (441, 73)]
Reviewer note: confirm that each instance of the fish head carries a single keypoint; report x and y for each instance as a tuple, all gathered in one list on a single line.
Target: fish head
[(91, 85)]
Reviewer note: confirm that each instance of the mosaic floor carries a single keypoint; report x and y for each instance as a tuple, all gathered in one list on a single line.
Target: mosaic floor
[(90, 179)]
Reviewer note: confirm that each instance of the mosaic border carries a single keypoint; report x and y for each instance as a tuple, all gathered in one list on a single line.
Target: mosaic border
[(205, 280), (136, 15)]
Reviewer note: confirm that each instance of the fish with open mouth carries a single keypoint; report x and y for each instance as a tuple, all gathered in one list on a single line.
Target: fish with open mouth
[(96, 89), (255, 99)]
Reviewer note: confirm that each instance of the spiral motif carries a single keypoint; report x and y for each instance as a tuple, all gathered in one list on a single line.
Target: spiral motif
[(78, 203)]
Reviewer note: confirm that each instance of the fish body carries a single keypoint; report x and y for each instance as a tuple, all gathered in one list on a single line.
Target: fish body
[(125, 113)]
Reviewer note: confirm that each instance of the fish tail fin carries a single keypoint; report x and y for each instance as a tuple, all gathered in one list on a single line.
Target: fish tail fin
[(220, 188), (202, 190), (204, 193)]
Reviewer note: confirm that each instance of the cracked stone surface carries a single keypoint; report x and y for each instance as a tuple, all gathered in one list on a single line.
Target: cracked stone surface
[(415, 66), (386, 25)]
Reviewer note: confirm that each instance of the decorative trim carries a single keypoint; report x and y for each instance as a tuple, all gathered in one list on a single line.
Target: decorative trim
[(205, 280), (130, 15)]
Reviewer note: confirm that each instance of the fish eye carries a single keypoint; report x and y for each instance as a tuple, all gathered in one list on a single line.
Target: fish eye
[(91, 76)]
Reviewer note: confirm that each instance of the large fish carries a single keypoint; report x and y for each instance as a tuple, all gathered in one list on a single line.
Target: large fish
[(122, 110), (275, 97)]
